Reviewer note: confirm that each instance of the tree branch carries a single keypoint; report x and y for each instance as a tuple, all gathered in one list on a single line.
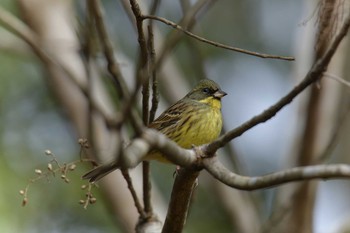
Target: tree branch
[(312, 76), (151, 139), (126, 175), (155, 93), (142, 78), (184, 185), (108, 50), (220, 172), (112, 65), (216, 44)]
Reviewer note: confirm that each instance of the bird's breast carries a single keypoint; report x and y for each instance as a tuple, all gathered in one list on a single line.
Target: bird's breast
[(203, 127)]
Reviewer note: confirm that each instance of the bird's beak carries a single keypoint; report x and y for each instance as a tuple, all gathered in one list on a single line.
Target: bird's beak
[(219, 94)]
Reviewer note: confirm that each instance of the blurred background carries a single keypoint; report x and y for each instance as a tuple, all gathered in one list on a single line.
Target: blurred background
[(33, 117)]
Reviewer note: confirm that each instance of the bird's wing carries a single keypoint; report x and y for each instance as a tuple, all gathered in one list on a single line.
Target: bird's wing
[(168, 118)]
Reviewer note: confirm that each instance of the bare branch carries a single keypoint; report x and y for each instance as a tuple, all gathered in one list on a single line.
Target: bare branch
[(147, 187), (216, 44), (142, 77), (312, 76), (220, 172), (155, 93), (137, 203), (184, 185), (151, 139), (336, 78), (112, 65)]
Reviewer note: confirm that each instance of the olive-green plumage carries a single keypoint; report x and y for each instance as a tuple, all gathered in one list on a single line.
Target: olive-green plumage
[(194, 120)]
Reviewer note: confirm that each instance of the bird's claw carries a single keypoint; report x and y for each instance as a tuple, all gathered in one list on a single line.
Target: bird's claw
[(198, 151)]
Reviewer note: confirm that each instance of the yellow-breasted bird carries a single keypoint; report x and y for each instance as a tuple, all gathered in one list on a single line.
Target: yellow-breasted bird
[(194, 120)]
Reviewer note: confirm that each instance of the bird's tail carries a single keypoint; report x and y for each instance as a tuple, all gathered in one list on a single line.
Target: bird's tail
[(99, 172)]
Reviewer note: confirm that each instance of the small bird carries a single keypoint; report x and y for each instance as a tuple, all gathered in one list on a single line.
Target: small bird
[(193, 120)]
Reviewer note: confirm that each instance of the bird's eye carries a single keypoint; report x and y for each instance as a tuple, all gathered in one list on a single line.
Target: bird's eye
[(206, 90)]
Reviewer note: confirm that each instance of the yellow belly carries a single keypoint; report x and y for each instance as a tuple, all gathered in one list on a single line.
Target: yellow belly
[(206, 128), (203, 127)]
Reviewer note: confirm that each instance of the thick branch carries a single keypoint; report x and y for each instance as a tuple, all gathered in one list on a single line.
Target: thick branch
[(139, 147), (184, 185), (220, 172)]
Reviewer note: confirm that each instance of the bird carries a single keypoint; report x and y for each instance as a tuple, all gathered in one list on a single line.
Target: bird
[(194, 120)]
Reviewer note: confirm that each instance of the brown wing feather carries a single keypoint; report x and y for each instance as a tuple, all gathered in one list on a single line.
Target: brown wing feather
[(168, 118)]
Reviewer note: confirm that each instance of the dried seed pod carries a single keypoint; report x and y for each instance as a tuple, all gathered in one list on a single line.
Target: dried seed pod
[(72, 167), (48, 152), (38, 171), (92, 200)]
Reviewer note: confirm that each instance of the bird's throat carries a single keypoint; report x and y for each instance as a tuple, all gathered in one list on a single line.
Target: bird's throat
[(212, 102)]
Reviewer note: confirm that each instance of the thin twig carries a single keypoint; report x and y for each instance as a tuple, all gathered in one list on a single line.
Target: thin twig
[(126, 175), (338, 79), (216, 44), (155, 94), (141, 36), (147, 187), (145, 103)]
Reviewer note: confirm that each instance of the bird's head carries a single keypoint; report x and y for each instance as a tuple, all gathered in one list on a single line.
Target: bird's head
[(207, 91)]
